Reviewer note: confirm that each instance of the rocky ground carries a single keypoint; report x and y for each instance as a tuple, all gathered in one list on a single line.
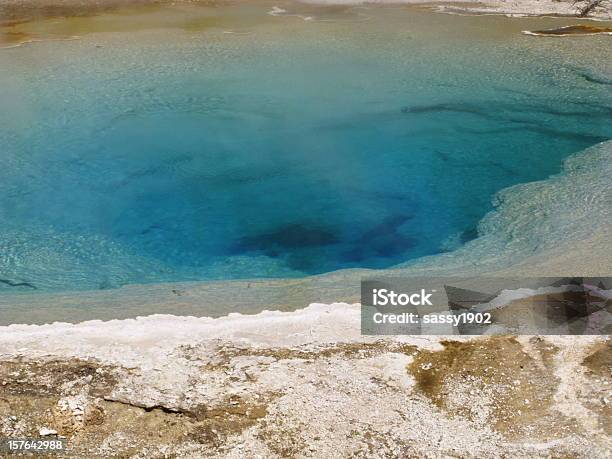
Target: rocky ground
[(320, 392), (530, 8)]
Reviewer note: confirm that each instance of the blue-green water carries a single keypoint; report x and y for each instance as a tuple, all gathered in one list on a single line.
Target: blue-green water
[(291, 148)]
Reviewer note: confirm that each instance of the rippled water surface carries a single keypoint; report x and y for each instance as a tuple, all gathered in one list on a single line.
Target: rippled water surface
[(218, 143)]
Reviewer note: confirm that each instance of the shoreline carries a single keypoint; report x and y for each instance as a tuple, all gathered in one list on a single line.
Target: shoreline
[(16, 11), (32, 21), (548, 8)]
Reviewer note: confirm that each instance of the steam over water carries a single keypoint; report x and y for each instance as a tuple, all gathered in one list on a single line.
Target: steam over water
[(287, 147)]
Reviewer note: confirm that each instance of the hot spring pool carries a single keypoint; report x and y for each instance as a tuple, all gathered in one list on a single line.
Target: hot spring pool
[(223, 143)]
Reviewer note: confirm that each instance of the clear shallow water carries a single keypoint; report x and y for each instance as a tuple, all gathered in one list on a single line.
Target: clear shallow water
[(289, 148)]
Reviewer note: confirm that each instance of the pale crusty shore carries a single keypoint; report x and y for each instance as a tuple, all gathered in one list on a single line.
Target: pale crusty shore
[(301, 384), (505, 7), (526, 8)]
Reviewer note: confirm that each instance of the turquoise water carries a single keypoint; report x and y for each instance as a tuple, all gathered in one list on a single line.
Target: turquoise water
[(288, 149)]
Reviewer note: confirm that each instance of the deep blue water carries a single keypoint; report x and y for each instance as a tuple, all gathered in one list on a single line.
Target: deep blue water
[(284, 153)]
